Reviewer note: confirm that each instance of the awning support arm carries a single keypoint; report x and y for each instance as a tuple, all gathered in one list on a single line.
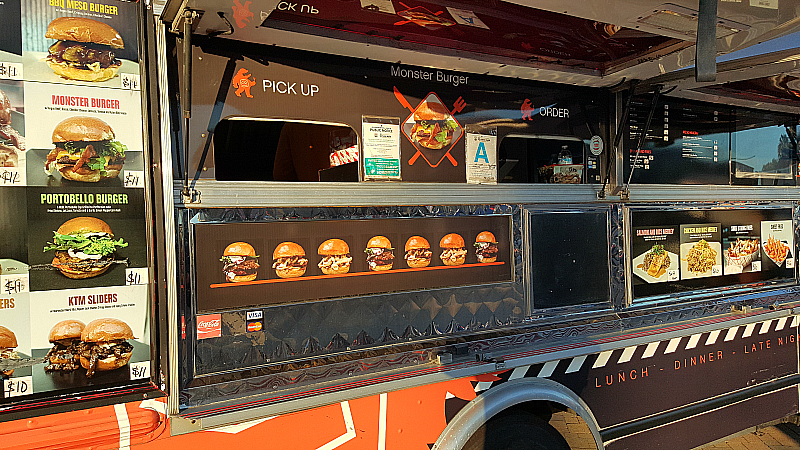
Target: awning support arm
[(705, 61)]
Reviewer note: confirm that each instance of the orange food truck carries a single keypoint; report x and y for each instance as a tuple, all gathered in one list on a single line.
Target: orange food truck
[(384, 224)]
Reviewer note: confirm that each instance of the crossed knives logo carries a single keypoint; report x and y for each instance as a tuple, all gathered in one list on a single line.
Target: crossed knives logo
[(432, 129)]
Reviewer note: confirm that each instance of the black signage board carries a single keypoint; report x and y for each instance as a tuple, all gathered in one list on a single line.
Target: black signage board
[(225, 279), (682, 250), (331, 89)]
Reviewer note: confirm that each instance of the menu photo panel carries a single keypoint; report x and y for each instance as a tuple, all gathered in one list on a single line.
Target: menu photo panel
[(682, 250), (248, 264)]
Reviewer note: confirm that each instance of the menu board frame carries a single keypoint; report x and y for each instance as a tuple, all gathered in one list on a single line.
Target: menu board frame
[(677, 240)]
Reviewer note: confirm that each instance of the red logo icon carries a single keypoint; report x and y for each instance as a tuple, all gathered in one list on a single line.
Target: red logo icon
[(527, 109), (209, 326), (243, 83), (241, 13), (423, 17), (254, 326)]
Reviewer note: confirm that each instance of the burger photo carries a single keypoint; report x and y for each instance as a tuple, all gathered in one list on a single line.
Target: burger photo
[(105, 345), (66, 339), (11, 142), (336, 257), (84, 49), (486, 247), (84, 247), (8, 342), (85, 150), (289, 260), (380, 254), (433, 127), (240, 262), (418, 252), (453, 250)]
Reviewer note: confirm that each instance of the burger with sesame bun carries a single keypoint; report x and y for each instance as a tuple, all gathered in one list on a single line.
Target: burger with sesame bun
[(486, 247), (105, 345), (453, 250), (418, 252), (84, 49), (240, 262), (433, 126), (84, 247), (336, 257), (289, 260), (85, 150), (8, 342), (66, 339)]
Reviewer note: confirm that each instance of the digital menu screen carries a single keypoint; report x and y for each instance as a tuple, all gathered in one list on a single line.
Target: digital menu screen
[(686, 143), (682, 250), (250, 264)]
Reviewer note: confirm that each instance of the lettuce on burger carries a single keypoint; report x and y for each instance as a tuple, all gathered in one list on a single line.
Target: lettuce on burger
[(85, 150), (84, 247)]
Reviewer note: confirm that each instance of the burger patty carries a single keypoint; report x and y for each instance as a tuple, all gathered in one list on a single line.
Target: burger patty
[(383, 258), (94, 352), (81, 265), (82, 54), (418, 253), (248, 267), (489, 251), (64, 356), (290, 261)]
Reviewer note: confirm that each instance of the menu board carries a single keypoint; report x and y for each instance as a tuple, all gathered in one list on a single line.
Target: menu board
[(74, 265), (249, 264), (681, 250), (687, 142)]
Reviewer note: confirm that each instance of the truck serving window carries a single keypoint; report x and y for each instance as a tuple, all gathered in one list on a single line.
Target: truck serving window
[(541, 159), (276, 150)]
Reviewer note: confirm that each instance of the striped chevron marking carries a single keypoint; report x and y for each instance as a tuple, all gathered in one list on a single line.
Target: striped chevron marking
[(604, 358)]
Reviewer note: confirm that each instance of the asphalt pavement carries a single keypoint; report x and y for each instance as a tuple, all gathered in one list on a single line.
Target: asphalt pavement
[(783, 436)]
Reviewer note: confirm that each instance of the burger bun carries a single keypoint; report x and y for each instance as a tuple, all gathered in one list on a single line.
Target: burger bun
[(287, 249), (452, 240), (416, 242), (66, 329), (380, 268), (82, 129), (70, 72), (109, 363), (239, 249), (291, 272), (342, 268), (486, 236), (80, 29), (457, 262), (333, 247), (379, 242), (106, 329), (7, 338)]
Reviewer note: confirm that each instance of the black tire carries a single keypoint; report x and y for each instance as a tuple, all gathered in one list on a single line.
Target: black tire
[(516, 431)]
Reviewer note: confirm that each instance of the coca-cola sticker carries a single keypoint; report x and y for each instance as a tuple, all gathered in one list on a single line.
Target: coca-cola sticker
[(209, 326)]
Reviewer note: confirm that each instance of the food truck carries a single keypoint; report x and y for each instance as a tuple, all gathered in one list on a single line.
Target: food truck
[(397, 224)]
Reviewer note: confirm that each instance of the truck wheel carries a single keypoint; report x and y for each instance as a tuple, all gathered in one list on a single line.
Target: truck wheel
[(516, 431)]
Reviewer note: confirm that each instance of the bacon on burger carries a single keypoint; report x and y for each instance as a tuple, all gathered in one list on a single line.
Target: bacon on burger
[(453, 250), (105, 345), (380, 254), (8, 342), (240, 262), (85, 150), (434, 126), (84, 247), (289, 260), (66, 339), (335, 255), (486, 247), (84, 49), (418, 252)]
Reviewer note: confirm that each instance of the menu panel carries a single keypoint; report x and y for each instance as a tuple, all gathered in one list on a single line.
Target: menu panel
[(682, 250), (687, 142), (249, 264), (73, 264)]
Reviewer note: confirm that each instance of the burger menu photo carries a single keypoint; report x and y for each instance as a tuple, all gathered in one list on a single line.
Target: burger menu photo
[(74, 264), (683, 250), (244, 264)]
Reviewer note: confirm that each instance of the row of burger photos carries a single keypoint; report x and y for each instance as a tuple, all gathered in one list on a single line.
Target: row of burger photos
[(67, 340), (289, 259), (745, 250), (54, 135), (307, 260), (71, 239)]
